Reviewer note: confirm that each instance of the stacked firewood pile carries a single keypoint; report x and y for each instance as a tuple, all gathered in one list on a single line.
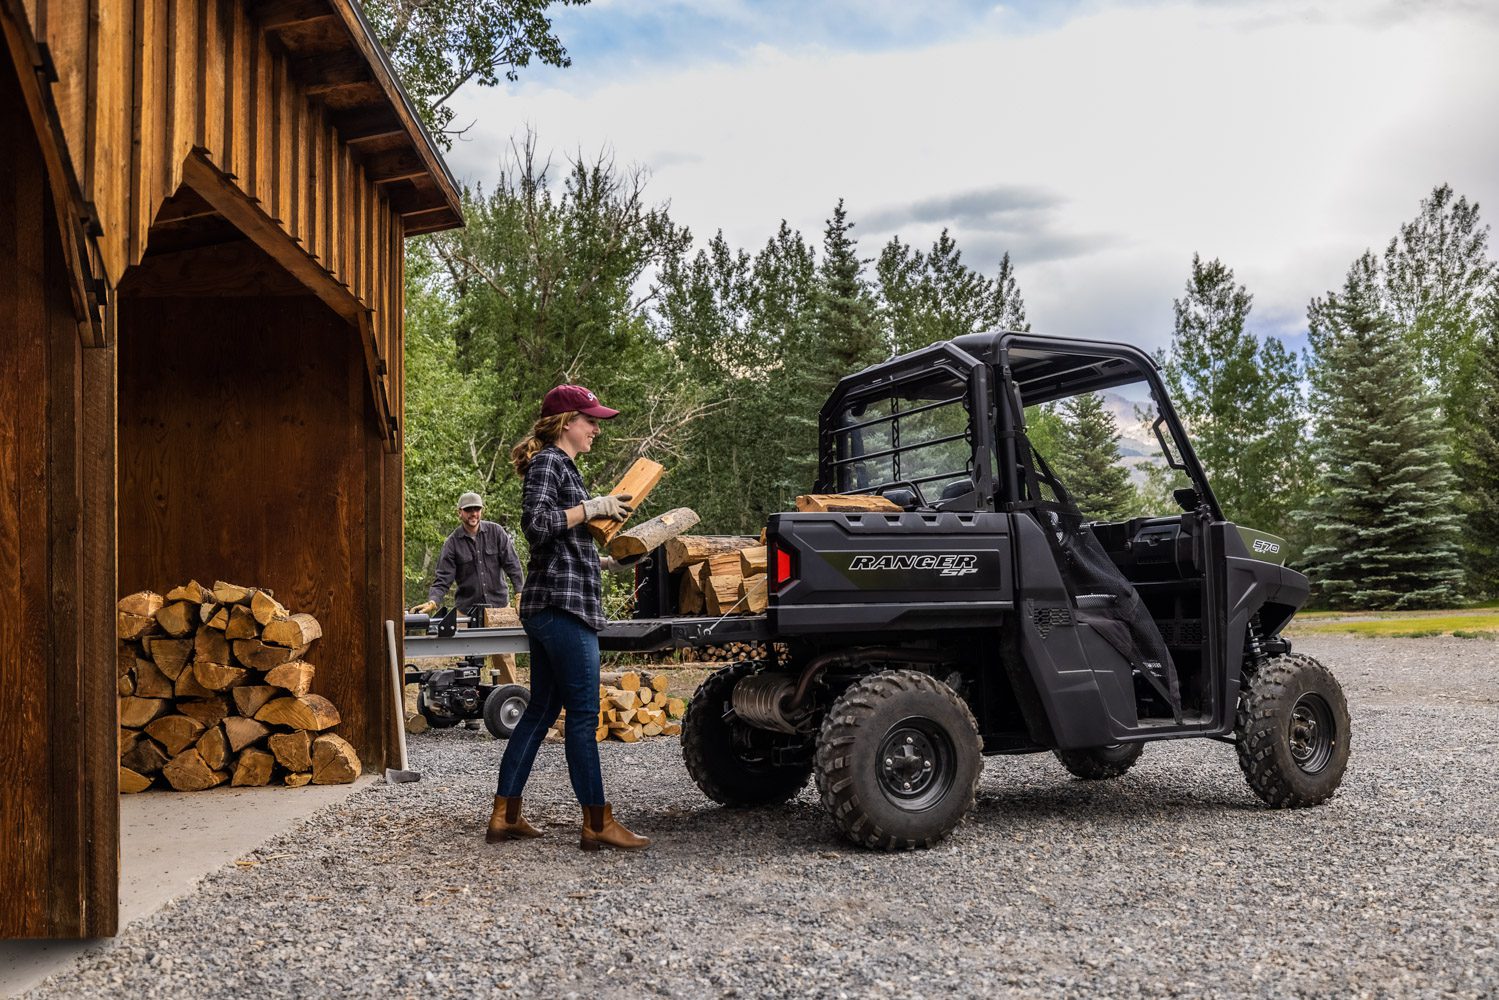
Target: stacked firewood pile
[(633, 704), (720, 574), (214, 687), (728, 652)]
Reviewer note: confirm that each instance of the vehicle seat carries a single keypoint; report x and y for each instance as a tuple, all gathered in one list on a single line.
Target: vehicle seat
[(956, 488)]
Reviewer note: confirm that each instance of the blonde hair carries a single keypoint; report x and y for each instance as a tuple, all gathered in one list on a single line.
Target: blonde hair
[(544, 432)]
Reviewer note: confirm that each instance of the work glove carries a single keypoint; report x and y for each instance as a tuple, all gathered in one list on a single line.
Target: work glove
[(612, 506), (425, 608), (609, 564)]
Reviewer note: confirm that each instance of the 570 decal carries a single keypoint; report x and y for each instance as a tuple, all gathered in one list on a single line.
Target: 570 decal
[(945, 564)]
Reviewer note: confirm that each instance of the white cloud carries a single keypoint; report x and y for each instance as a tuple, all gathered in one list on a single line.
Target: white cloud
[(1101, 152)]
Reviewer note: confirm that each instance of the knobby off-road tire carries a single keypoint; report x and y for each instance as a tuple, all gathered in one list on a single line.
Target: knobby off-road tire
[(729, 760), (1101, 763), (898, 761), (1293, 732)]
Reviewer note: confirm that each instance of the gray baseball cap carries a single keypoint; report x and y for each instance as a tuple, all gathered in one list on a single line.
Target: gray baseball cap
[(470, 500)]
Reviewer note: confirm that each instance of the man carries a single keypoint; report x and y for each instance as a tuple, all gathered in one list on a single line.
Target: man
[(478, 556)]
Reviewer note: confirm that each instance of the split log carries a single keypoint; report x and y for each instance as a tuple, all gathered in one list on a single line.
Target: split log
[(249, 698), (756, 594), (187, 686), (128, 739), (175, 732), (230, 593), (264, 607), (601, 734), (242, 624), (686, 550), (625, 680), (295, 676), (146, 757), (242, 732), (625, 701), (141, 604), (217, 618), (125, 686), (625, 734), (257, 654), (652, 534), (501, 618), (253, 769), (334, 761), (309, 711), (178, 618), (189, 772), (129, 626), (136, 712), (217, 676), (130, 781), (211, 645), (829, 503), (297, 780), (689, 595), (721, 594), (192, 591), (671, 729), (169, 655), (638, 482), (214, 748), (295, 631), (652, 729), (209, 711), (722, 564), (293, 750), (752, 560)]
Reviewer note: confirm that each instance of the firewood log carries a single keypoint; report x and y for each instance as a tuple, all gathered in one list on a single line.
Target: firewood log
[(623, 700), (192, 591), (652, 534), (169, 655), (295, 676), (638, 482), (175, 732), (676, 707), (624, 733), (217, 676), (841, 502), (652, 729), (214, 748), (187, 686), (229, 593), (659, 683), (209, 711), (310, 711), (264, 607), (178, 618), (253, 769), (242, 732), (131, 781), (146, 757), (211, 645), (625, 680), (189, 772), (215, 616), (752, 560), (242, 624), (136, 712), (722, 564), (129, 626), (297, 780), (601, 734), (334, 761), (689, 595), (671, 729), (141, 604), (249, 698), (756, 594), (297, 631), (684, 550), (721, 594), (128, 739), (257, 654), (125, 686), (293, 750)]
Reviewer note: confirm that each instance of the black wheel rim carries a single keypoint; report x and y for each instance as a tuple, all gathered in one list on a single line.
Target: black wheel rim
[(915, 764), (1311, 733)]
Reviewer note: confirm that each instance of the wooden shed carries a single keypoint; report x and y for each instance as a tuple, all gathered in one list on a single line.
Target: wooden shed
[(202, 210)]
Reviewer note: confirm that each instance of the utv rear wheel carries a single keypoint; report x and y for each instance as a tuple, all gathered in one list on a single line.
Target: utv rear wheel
[(1101, 763), (898, 761), (733, 763), (1293, 732)]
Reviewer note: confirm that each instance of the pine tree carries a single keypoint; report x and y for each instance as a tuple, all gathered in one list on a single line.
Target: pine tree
[(1478, 462), (847, 335), (1384, 529), (1240, 399), (927, 297), (1088, 461)]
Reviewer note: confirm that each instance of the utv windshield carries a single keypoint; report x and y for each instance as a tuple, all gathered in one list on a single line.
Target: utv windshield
[(913, 433)]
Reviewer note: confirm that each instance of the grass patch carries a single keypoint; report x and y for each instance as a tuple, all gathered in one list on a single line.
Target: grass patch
[(1401, 624)]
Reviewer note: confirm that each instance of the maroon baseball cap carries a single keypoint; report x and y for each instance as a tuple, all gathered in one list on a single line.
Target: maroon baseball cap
[(566, 398)]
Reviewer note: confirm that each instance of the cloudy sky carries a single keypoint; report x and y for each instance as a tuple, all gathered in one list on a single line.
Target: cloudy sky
[(1100, 143)]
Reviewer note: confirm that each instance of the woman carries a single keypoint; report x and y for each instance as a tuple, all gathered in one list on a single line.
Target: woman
[(562, 611)]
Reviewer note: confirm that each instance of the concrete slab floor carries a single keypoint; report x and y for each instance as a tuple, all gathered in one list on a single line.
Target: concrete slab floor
[(168, 842)]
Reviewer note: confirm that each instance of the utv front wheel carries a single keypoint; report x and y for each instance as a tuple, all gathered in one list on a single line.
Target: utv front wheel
[(898, 761), (1293, 732), (733, 763), (1100, 763)]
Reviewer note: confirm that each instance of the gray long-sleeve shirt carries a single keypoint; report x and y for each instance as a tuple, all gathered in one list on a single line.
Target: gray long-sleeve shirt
[(479, 563)]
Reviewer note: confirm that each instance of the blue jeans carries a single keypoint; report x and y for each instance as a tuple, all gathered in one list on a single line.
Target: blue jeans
[(564, 673)]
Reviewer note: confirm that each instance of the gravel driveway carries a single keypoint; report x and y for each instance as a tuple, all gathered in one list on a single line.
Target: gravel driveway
[(1171, 880)]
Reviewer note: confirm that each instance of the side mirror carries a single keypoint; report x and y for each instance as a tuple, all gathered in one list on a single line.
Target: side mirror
[(1187, 498)]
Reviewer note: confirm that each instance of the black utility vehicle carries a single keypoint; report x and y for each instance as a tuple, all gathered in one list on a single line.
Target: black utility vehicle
[(989, 617)]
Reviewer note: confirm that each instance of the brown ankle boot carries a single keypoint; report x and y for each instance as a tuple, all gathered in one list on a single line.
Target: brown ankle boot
[(601, 829), (506, 822)]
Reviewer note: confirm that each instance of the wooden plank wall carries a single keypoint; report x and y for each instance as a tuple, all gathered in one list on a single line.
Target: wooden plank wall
[(169, 78), (60, 831), (261, 467)]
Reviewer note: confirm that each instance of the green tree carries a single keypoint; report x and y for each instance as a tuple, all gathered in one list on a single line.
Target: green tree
[(1384, 530), (437, 46), (927, 297), (1477, 463), (1088, 460), (845, 330), (1240, 398)]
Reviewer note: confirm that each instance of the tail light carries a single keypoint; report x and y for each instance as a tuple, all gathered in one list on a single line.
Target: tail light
[(783, 567)]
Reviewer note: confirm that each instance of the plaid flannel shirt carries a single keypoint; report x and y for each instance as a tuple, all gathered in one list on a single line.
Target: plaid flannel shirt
[(564, 568)]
